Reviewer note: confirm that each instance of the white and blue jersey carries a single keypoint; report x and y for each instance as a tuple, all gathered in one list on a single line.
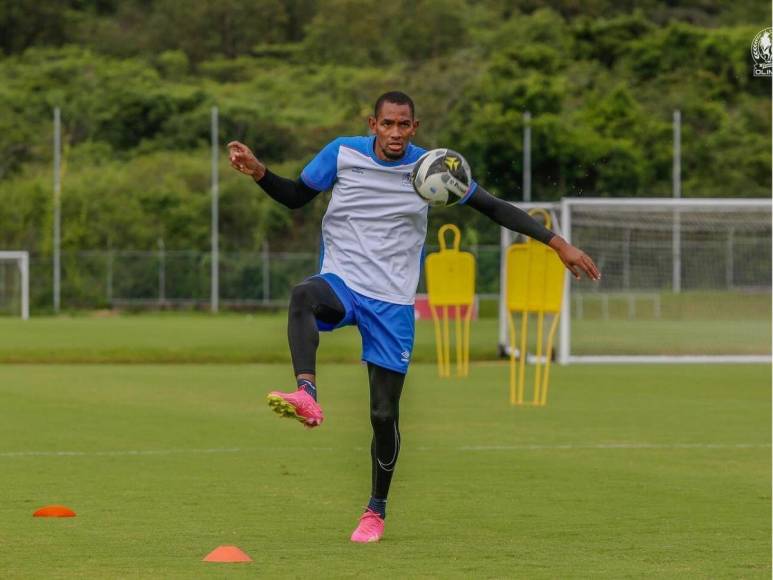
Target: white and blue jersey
[(375, 225), (372, 236)]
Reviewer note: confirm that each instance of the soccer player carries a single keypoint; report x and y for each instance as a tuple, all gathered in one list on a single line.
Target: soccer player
[(372, 235)]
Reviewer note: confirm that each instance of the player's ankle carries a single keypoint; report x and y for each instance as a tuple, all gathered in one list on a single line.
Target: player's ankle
[(308, 386), (378, 505)]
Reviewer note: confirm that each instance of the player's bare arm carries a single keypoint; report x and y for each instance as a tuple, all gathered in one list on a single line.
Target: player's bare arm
[(517, 220)]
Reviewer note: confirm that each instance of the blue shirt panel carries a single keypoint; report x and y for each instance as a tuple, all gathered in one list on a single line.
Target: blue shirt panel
[(320, 173)]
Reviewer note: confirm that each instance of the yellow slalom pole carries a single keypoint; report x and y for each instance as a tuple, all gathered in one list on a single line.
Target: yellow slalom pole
[(438, 341), (538, 364), (551, 336), (459, 346), (513, 384), (467, 340), (446, 343), (522, 365)]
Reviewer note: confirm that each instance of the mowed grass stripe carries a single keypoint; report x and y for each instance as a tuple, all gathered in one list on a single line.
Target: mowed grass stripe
[(230, 338), (560, 447)]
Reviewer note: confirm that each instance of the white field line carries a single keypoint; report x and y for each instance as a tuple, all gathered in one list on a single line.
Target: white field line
[(122, 453), (616, 446), (465, 448)]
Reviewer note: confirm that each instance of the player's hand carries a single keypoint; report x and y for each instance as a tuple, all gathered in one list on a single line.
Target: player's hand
[(244, 160), (575, 259)]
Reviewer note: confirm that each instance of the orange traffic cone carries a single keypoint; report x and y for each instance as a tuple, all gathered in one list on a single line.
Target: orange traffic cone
[(227, 554), (54, 511)]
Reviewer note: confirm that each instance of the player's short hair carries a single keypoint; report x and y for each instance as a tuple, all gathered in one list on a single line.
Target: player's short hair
[(396, 97)]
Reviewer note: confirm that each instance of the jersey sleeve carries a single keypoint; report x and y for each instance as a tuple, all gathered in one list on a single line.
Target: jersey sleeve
[(320, 173)]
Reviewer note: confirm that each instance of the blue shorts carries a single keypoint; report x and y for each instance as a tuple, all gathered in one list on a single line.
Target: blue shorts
[(387, 329)]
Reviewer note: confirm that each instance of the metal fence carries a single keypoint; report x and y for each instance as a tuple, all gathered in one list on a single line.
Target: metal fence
[(182, 278)]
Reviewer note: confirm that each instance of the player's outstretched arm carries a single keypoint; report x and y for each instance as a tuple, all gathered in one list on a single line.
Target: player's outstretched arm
[(517, 220), (292, 194)]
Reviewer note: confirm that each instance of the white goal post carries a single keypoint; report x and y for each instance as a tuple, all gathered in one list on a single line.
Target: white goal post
[(22, 261), (683, 280)]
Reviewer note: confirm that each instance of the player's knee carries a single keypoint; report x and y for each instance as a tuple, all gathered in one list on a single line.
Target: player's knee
[(381, 415), (301, 296)]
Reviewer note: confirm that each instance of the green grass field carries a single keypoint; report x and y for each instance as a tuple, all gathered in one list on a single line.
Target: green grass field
[(629, 472), (238, 338)]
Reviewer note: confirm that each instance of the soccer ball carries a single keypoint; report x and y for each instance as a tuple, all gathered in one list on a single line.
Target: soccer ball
[(441, 176)]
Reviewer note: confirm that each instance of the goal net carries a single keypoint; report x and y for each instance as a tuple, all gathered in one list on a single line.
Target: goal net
[(14, 284), (682, 281)]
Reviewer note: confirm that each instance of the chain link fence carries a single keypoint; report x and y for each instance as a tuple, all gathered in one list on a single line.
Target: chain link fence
[(165, 279)]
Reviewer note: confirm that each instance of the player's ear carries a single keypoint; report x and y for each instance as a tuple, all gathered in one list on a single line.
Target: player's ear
[(372, 122)]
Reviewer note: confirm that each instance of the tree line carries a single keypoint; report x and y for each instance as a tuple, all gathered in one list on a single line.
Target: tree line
[(136, 81)]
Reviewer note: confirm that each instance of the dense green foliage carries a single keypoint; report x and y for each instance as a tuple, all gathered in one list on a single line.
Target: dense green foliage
[(136, 82)]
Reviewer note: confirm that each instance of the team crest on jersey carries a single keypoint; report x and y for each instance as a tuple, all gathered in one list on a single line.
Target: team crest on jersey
[(406, 180)]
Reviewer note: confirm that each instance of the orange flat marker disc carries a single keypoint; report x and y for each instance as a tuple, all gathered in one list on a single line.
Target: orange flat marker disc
[(54, 511), (227, 554)]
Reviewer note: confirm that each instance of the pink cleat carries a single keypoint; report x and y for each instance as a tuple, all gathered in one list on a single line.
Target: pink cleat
[(370, 528), (299, 405)]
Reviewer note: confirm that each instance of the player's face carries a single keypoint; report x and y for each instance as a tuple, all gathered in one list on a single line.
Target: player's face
[(394, 128)]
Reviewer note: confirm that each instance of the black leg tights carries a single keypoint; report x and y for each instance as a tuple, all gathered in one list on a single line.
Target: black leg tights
[(314, 299), (385, 389), (311, 299)]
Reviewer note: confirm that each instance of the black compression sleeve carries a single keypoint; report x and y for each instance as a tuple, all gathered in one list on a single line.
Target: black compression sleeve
[(509, 216), (311, 300), (385, 389), (292, 194)]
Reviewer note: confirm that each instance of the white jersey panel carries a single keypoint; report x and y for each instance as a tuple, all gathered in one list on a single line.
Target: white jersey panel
[(375, 226)]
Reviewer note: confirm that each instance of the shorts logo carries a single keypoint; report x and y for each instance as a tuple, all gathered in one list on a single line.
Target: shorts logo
[(452, 163), (405, 356)]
